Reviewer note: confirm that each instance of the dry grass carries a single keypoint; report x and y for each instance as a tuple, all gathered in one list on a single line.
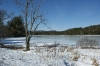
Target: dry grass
[(94, 62), (70, 49), (37, 50), (75, 55)]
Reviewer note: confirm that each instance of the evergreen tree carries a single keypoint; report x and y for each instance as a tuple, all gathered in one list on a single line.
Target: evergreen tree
[(16, 27)]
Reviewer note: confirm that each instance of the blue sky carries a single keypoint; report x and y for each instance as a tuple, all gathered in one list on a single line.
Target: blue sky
[(65, 14)]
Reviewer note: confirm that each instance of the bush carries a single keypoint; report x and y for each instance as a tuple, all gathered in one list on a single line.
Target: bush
[(75, 57), (53, 45), (87, 43), (94, 62)]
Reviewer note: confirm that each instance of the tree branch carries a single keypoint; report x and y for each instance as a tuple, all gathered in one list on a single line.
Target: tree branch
[(17, 2), (2, 2)]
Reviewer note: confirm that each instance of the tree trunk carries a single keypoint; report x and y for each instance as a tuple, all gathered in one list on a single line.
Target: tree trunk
[(27, 39), (28, 44)]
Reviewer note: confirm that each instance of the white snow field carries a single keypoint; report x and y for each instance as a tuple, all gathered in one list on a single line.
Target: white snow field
[(41, 55)]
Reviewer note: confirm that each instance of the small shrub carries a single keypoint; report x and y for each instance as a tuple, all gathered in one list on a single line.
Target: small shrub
[(50, 46), (62, 50), (87, 43), (69, 49), (53, 45), (37, 50), (51, 50), (75, 57), (94, 62)]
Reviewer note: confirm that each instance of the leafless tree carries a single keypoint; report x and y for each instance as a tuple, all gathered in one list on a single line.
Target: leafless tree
[(3, 16), (1, 2), (32, 15)]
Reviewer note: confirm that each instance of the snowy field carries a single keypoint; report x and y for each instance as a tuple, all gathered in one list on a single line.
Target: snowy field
[(41, 55)]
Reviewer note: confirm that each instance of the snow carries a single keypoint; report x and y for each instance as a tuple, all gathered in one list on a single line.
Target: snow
[(30, 58), (44, 56)]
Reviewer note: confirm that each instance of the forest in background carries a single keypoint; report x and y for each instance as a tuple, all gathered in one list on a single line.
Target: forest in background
[(89, 30), (15, 27)]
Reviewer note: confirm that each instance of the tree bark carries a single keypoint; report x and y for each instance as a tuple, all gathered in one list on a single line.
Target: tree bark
[(26, 13), (28, 44)]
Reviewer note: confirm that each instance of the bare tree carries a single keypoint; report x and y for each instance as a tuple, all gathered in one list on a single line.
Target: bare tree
[(1, 2), (33, 18), (3, 16)]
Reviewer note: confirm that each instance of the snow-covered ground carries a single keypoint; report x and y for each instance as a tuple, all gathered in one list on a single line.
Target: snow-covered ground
[(55, 56), (47, 56)]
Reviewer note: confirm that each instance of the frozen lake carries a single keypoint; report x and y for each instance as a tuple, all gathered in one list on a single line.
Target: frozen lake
[(41, 39)]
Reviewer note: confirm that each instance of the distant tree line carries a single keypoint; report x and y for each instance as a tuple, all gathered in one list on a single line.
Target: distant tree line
[(15, 28), (90, 30)]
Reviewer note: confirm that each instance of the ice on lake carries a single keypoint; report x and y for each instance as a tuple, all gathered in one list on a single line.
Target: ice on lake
[(50, 39)]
